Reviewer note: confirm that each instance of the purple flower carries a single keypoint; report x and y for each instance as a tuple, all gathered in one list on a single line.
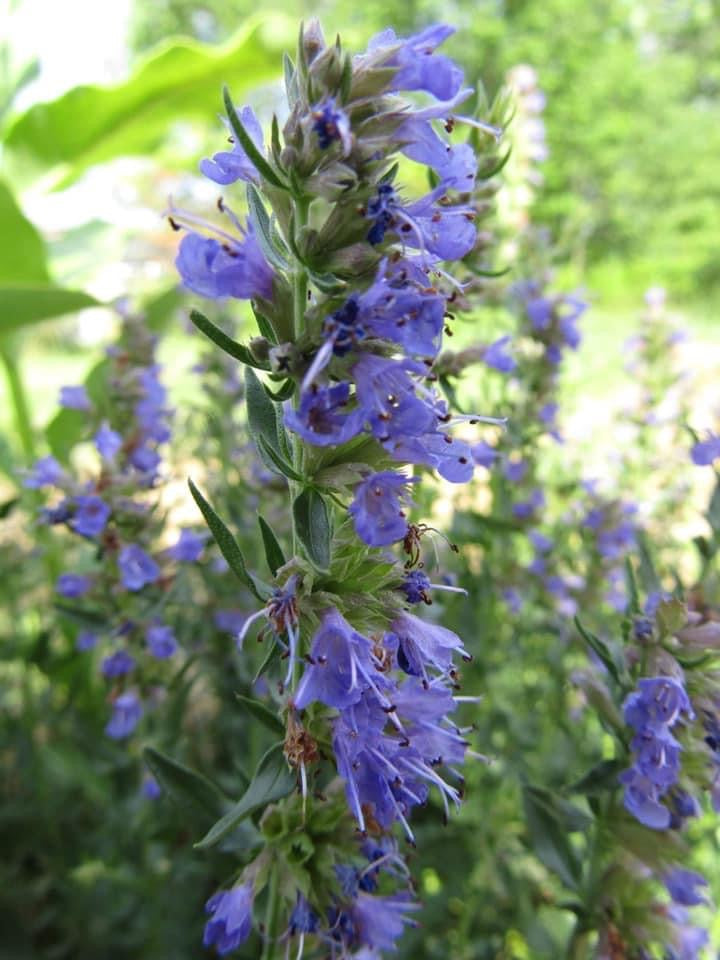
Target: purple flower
[(542, 543), (498, 356), (46, 472), (161, 641), (189, 546), (231, 918), (380, 921), (331, 124), (107, 442), (86, 640), (318, 419), (683, 886), (658, 702), (705, 452), (137, 569), (415, 586), (418, 66), (483, 454), (445, 231), (126, 714), (74, 398), (642, 800), (515, 470), (229, 166), (422, 646), (117, 664), (233, 268), (151, 789), (456, 166), (230, 621), (72, 585), (91, 516), (341, 665), (526, 508), (378, 508)]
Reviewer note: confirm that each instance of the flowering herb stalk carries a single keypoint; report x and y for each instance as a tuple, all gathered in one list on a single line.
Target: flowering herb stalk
[(350, 280)]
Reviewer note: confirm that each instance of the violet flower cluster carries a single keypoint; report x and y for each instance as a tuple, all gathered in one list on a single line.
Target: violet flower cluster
[(117, 587), (351, 283)]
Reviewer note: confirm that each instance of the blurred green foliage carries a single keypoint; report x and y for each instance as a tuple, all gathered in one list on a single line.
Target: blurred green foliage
[(633, 117)]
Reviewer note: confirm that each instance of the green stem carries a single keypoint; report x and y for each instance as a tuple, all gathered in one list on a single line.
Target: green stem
[(271, 917), (9, 354)]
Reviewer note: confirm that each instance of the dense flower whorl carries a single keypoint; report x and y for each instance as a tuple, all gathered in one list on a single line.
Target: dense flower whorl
[(655, 707)]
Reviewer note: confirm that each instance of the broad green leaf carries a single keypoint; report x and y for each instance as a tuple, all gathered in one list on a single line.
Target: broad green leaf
[(263, 714), (312, 525), (226, 343), (272, 781), (273, 551), (178, 80), (228, 545), (186, 786), (21, 306), (22, 249)]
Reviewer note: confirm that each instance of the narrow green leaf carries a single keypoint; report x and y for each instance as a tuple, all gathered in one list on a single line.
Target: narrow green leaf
[(272, 781), (283, 393), (248, 144), (291, 89), (262, 413), (264, 325), (312, 525), (272, 654), (346, 79), (273, 551), (327, 283), (261, 222), (275, 141), (602, 650), (226, 343), (263, 714), (273, 461), (228, 545), (186, 786)]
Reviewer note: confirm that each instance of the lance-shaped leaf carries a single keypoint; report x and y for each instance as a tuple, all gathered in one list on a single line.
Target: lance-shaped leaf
[(312, 525), (228, 546), (272, 781), (263, 714), (187, 787), (248, 144), (266, 238), (266, 426), (273, 461), (603, 651), (273, 551), (226, 343)]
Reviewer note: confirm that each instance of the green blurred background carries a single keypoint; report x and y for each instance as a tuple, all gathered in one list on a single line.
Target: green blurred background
[(106, 109)]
